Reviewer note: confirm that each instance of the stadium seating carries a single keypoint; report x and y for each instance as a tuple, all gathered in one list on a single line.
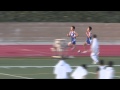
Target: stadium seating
[(47, 32)]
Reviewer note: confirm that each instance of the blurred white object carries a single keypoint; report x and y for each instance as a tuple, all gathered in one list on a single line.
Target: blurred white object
[(110, 73), (59, 47), (79, 73), (62, 69)]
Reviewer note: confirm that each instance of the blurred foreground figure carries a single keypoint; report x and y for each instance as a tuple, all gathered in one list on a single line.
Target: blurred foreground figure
[(62, 70), (80, 72), (59, 48), (110, 72), (101, 70)]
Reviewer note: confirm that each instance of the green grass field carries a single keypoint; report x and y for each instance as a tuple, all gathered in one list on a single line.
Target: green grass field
[(42, 68)]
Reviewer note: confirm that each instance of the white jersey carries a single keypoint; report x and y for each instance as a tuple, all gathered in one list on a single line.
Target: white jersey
[(79, 73), (62, 69), (72, 33), (110, 73), (101, 72), (95, 46)]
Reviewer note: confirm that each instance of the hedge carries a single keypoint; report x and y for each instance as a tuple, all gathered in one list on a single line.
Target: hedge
[(60, 16)]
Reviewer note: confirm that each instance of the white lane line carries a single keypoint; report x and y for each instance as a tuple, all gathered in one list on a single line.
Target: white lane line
[(15, 76), (95, 73), (44, 66)]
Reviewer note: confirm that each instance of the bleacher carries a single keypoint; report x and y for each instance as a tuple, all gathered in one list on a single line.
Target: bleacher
[(47, 32)]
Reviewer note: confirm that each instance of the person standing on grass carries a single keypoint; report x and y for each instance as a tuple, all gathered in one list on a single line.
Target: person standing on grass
[(109, 71), (62, 70), (94, 49), (101, 70), (80, 72)]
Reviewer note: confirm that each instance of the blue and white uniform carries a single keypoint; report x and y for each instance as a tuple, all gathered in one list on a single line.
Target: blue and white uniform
[(89, 39), (73, 38)]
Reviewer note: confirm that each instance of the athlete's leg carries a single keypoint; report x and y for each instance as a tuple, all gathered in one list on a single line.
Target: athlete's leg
[(85, 50), (84, 45), (88, 42), (94, 58), (73, 44), (70, 44), (73, 47)]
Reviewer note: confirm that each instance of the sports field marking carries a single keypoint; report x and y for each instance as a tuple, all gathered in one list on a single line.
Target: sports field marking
[(15, 76), (36, 51), (35, 74), (30, 50), (25, 50), (52, 73), (45, 66), (95, 73)]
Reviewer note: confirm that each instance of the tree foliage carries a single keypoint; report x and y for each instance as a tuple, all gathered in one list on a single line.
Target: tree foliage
[(60, 16)]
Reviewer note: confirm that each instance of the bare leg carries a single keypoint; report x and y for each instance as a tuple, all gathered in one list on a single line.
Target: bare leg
[(69, 45), (73, 47), (84, 45), (85, 50)]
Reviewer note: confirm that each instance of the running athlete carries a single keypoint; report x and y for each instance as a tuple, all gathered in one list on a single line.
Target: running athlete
[(89, 39), (72, 34)]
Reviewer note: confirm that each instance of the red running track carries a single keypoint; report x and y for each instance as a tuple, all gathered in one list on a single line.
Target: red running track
[(44, 50)]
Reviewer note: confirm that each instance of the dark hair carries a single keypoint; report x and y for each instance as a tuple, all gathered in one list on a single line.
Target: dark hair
[(101, 62), (73, 27), (94, 36), (63, 57), (110, 63), (84, 66), (90, 28)]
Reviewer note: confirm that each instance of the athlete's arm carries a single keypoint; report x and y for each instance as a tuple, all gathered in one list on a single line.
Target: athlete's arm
[(88, 34), (68, 34), (76, 34)]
